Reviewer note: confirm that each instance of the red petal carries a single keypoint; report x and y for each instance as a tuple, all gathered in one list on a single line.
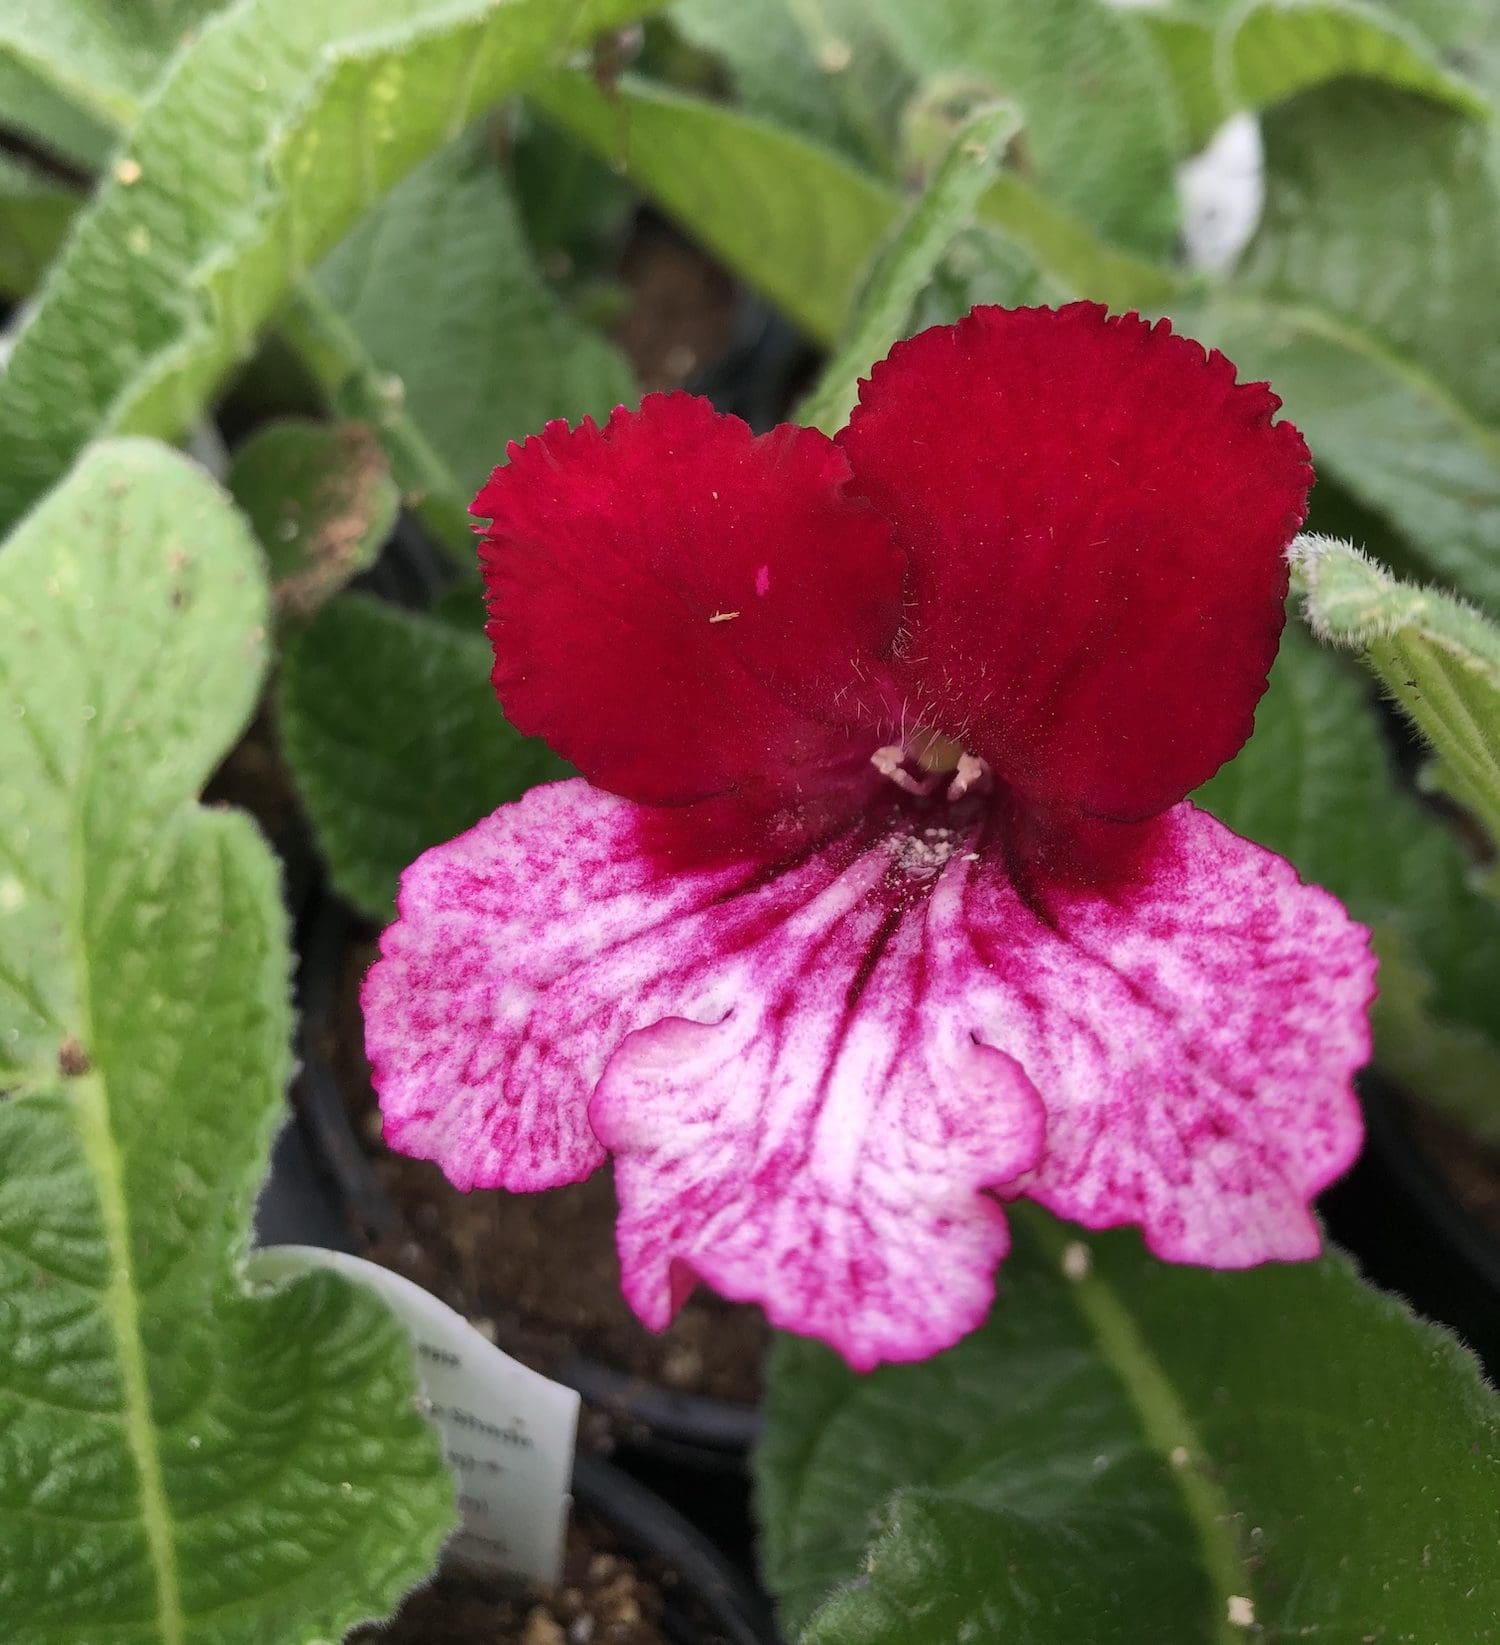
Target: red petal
[(1096, 517), (679, 607)]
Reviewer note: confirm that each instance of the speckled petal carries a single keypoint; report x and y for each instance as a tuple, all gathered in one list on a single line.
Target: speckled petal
[(811, 1065), (1194, 1033), (799, 1111)]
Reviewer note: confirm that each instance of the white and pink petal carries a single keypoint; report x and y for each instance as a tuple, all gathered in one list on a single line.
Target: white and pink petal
[(785, 1071), (820, 1074)]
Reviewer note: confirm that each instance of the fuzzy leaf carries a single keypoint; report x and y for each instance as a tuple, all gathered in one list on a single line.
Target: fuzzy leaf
[(396, 740), (1315, 783), (1369, 336), (1130, 1452), (798, 221), (1272, 49), (183, 1462), (825, 71), (246, 165), (322, 502), (1101, 134), (1436, 657), (452, 357)]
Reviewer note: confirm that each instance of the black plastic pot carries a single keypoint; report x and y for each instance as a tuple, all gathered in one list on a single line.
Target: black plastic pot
[(680, 1429), (736, 1613), (1398, 1217)]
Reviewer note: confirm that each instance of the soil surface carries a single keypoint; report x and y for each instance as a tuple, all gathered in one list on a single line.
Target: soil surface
[(606, 1598), (544, 1263), (1471, 1169)]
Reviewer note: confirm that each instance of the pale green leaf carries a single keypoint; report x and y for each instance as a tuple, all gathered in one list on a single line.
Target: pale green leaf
[(1186, 44), (796, 220), (264, 140), (1271, 49), (821, 68), (1437, 659), (185, 1463), (1367, 330), (322, 502), (799, 222), (463, 352), (1102, 137), (1315, 783), (396, 740), (51, 121), (907, 264), (98, 54), (1133, 1452)]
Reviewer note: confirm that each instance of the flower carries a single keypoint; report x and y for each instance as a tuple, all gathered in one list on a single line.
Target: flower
[(879, 902)]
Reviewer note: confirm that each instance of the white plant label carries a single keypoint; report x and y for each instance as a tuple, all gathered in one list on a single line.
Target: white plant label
[(508, 1432)]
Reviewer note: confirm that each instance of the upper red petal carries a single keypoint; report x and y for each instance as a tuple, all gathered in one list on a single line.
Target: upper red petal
[(681, 608), (1096, 516)]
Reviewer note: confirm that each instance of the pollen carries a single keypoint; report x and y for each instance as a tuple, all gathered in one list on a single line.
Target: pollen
[(925, 853)]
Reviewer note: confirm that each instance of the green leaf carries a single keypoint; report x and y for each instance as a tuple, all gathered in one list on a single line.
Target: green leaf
[(1101, 133), (821, 68), (907, 264), (1271, 49), (245, 166), (1438, 660), (34, 217), (799, 222), (32, 107), (455, 356), (796, 220), (1369, 335), (322, 502), (1186, 46), (1315, 784), (1130, 1451), (187, 1463), (396, 740), (100, 55)]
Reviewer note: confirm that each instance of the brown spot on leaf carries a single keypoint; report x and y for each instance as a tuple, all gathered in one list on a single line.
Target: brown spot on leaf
[(72, 1059), (342, 509)]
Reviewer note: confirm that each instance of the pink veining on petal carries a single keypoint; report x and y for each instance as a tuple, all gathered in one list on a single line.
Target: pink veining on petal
[(1194, 1037), (798, 1110), (811, 1064)]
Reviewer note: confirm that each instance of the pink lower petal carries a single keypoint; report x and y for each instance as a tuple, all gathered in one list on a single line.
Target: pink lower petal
[(810, 1069), (799, 1111), (1194, 1039)]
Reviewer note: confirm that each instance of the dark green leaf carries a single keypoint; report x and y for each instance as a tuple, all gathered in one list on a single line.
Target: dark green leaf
[(396, 740), (1131, 1453)]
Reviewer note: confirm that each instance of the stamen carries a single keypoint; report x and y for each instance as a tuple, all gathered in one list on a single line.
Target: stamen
[(973, 774), (938, 757), (889, 762)]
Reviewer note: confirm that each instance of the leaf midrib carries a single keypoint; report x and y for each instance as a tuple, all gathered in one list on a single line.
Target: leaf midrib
[(101, 1154), (1166, 1424), (93, 1118)]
